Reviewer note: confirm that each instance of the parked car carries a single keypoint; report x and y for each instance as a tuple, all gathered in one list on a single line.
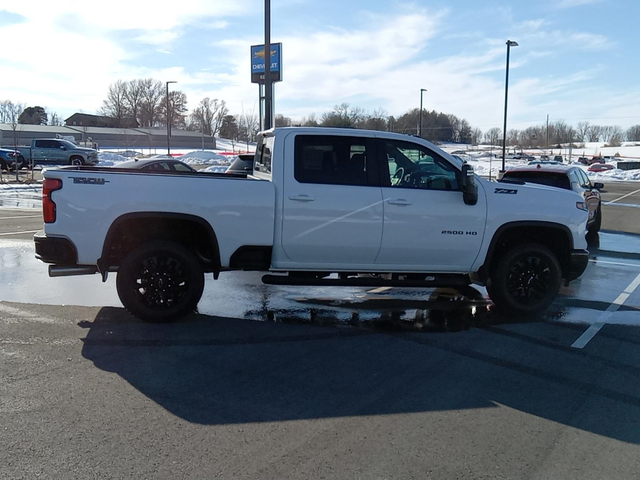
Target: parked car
[(55, 151), (583, 160), (157, 165), (320, 201), (8, 159), (558, 158), (595, 160), (601, 167), (565, 177), (242, 164)]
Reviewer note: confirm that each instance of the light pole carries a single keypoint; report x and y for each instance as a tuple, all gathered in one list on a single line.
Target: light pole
[(422, 90), (169, 120), (268, 84), (510, 44)]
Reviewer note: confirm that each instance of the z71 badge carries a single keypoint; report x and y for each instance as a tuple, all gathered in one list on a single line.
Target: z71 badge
[(90, 180), (507, 191)]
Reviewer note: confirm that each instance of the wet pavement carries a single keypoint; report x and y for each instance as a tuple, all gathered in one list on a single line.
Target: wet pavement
[(614, 265)]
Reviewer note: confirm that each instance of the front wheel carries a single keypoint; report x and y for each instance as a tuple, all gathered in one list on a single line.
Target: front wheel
[(597, 224), (160, 282), (76, 161), (526, 280)]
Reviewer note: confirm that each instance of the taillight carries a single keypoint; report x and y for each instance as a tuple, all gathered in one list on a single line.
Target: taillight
[(49, 186)]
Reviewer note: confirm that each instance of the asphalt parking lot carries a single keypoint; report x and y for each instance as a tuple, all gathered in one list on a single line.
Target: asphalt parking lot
[(284, 382)]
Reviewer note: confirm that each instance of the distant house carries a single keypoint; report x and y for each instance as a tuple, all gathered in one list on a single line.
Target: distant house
[(87, 120)]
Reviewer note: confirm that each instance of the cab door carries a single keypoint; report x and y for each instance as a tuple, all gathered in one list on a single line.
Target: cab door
[(427, 225), (332, 202)]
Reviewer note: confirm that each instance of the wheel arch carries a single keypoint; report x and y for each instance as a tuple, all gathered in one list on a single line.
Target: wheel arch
[(129, 231), (555, 236)]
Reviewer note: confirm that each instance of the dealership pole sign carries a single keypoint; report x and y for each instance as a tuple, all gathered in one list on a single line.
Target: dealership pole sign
[(257, 63)]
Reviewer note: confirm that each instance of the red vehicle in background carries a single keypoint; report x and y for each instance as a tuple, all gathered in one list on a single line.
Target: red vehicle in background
[(601, 167)]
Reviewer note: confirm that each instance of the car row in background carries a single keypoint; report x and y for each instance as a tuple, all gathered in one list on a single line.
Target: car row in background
[(566, 177), (158, 165)]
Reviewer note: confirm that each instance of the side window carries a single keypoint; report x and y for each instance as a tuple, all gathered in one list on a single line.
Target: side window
[(264, 150), (40, 144), (414, 166), (54, 144), (335, 160), (178, 167), (584, 179), (573, 178)]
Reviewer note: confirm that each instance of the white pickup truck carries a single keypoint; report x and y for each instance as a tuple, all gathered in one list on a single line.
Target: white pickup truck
[(322, 207)]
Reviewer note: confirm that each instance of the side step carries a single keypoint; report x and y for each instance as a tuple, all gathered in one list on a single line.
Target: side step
[(56, 271), (431, 281)]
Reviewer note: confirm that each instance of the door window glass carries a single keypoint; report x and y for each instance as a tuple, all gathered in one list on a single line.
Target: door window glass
[(414, 166), (336, 160)]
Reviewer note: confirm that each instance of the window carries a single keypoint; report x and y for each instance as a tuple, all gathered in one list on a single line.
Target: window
[(414, 166), (178, 167), (335, 160), (559, 180), (264, 150), (584, 180), (46, 144)]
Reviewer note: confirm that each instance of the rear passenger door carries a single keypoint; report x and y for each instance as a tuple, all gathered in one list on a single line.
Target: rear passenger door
[(332, 202)]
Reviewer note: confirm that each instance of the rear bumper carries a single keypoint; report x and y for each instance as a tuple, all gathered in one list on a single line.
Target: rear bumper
[(56, 250), (578, 261)]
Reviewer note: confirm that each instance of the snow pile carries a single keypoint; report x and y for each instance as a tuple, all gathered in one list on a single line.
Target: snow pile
[(21, 196), (616, 175), (203, 157), (216, 169), (109, 159)]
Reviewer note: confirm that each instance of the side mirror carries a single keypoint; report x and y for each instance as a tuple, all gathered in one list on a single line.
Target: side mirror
[(469, 187), (62, 147), (598, 185)]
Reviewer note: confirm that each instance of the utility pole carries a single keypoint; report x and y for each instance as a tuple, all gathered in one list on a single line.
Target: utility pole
[(169, 120), (422, 90), (547, 143), (268, 84)]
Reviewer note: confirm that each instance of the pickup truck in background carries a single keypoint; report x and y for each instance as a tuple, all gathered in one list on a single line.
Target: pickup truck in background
[(54, 151), (323, 207)]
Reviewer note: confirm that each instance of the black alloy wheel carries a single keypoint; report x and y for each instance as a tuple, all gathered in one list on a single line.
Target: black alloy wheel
[(526, 279), (160, 282)]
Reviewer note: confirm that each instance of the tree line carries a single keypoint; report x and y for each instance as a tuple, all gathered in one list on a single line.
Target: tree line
[(144, 101)]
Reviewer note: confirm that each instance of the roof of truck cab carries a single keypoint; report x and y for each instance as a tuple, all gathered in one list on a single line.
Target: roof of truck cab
[(541, 168)]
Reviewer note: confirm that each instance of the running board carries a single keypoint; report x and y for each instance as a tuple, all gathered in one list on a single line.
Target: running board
[(56, 271), (431, 281)]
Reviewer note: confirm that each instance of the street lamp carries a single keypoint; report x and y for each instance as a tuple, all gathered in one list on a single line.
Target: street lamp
[(510, 44), (422, 90), (169, 120)]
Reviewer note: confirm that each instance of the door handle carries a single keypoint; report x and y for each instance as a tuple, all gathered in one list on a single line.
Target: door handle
[(301, 198), (399, 201)]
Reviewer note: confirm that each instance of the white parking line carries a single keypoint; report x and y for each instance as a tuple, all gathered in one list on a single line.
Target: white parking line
[(602, 320), (20, 216), (593, 260), (18, 233), (379, 290), (624, 196)]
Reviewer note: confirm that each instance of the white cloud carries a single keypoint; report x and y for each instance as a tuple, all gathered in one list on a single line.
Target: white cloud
[(574, 3)]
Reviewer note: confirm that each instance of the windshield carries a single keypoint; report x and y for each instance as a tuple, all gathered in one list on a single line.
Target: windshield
[(550, 179)]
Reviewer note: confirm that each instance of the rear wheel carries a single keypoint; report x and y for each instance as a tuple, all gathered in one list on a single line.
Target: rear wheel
[(160, 282), (526, 280)]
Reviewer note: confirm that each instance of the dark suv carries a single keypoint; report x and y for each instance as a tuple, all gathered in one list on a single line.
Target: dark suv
[(567, 177)]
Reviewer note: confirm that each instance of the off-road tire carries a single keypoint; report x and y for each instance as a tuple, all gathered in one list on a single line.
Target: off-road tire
[(526, 280), (160, 282)]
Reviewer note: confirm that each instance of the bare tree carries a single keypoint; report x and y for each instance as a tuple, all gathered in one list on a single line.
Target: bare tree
[(133, 98), (55, 119), (310, 121), (115, 105), (476, 136), (177, 109), (493, 135), (633, 133), (342, 115), (282, 121), (595, 132), (583, 131), (248, 124), (513, 137), (13, 115), (208, 115), (616, 136), (152, 94)]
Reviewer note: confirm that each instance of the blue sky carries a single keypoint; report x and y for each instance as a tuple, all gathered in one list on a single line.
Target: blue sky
[(577, 59)]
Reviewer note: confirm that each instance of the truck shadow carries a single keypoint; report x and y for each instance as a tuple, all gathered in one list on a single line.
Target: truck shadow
[(211, 370)]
